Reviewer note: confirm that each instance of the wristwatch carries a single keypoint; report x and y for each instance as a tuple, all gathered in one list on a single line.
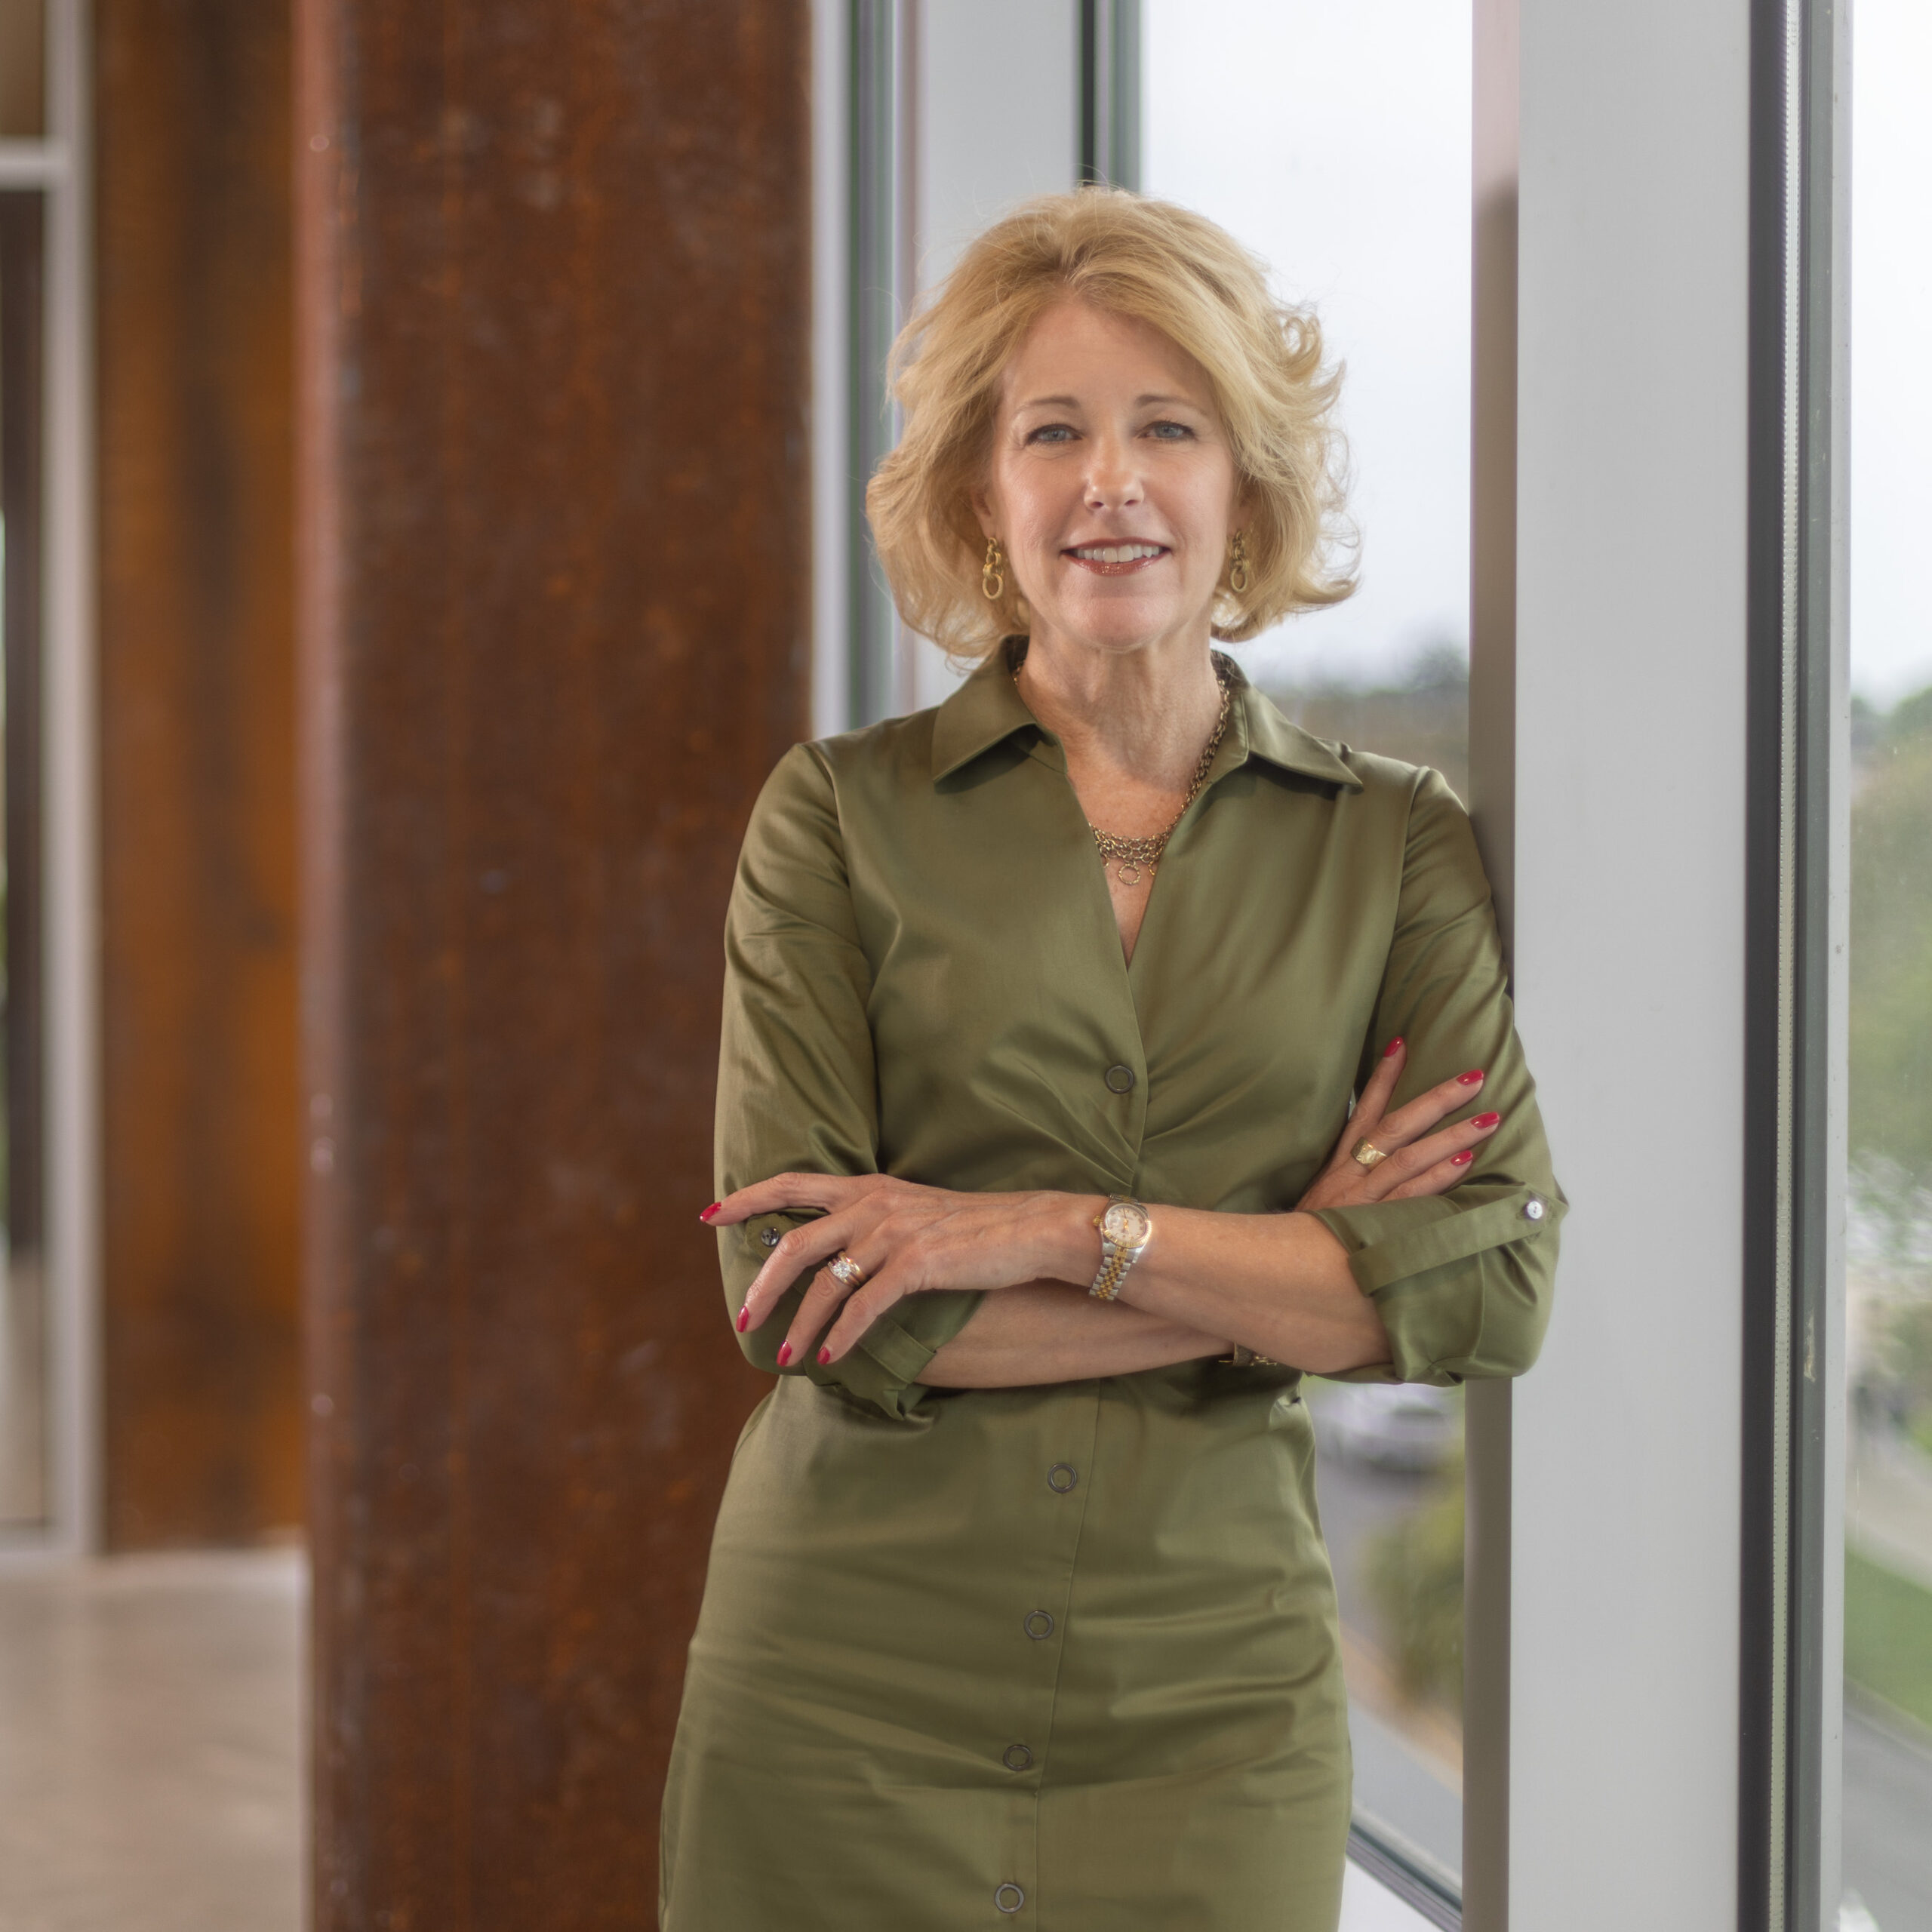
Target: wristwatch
[(1246, 1357), (1125, 1230)]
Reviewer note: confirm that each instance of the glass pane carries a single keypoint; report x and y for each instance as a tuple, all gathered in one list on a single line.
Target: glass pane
[(1888, 1502), (23, 64), (23, 1376), (1335, 141)]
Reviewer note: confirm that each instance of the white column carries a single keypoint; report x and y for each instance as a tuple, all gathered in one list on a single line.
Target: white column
[(1629, 873)]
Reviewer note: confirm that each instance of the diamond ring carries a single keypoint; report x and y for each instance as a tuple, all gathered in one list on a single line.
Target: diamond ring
[(844, 1270)]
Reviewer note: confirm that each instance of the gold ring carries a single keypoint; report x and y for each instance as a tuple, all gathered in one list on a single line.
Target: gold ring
[(1367, 1154), (845, 1271)]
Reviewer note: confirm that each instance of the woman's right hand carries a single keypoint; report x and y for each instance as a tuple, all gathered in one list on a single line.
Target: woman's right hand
[(1418, 1161)]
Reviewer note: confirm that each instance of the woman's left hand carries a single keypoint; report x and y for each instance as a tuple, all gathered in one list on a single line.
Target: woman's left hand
[(908, 1240)]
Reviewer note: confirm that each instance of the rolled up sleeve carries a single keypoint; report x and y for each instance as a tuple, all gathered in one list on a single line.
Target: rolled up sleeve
[(1462, 1280), (797, 1087)]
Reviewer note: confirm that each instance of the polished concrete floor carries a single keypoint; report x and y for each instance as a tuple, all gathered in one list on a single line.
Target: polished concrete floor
[(150, 1745)]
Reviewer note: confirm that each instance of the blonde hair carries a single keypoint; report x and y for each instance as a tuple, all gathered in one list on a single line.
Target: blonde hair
[(1189, 278)]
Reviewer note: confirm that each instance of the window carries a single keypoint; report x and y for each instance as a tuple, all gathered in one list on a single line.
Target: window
[(1658, 734), (1338, 147), (936, 118), (1887, 1789)]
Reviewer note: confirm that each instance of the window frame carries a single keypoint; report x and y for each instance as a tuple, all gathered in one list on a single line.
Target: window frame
[(1791, 1594)]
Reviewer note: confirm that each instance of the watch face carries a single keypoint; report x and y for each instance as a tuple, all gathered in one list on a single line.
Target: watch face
[(1125, 1223)]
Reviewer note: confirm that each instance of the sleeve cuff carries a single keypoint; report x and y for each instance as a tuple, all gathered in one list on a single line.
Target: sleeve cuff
[(882, 1372), (1453, 1281), (1388, 1240)]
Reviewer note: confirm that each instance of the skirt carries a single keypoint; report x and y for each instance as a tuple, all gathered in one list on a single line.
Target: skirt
[(1065, 1658)]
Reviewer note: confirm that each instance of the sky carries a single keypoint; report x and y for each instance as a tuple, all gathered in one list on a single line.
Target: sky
[(1891, 349), (1337, 146)]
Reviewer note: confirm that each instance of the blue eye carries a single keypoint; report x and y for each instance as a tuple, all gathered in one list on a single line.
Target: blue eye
[(1052, 432), (1169, 433)]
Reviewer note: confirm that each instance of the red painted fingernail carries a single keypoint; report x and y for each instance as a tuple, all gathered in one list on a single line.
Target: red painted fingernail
[(1462, 1159), (785, 1354), (1394, 1046), (1485, 1120), (1472, 1078), (711, 1211), (744, 1319), (825, 1358)]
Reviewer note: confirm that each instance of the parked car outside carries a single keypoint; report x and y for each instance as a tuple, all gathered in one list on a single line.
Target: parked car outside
[(1403, 1425)]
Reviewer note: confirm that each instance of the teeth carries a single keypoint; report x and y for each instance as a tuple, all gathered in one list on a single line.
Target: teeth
[(1118, 553)]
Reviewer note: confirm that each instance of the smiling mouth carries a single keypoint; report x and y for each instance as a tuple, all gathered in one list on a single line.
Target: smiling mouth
[(1115, 559)]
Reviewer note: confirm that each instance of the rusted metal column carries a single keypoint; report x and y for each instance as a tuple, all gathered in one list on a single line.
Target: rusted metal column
[(201, 1143), (552, 343)]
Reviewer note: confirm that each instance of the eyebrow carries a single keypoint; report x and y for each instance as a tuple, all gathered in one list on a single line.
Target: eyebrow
[(1073, 402)]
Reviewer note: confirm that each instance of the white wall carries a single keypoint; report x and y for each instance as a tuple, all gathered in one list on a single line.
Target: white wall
[(1630, 858)]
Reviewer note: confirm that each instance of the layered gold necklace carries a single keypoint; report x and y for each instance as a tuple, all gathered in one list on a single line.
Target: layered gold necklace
[(1131, 857)]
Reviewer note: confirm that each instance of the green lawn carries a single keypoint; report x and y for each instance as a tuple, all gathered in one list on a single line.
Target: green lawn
[(1888, 1636)]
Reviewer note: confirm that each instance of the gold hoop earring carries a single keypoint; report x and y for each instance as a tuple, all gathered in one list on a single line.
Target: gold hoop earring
[(992, 572), (1239, 577)]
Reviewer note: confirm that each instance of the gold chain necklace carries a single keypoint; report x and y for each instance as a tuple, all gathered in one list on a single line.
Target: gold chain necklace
[(1130, 857)]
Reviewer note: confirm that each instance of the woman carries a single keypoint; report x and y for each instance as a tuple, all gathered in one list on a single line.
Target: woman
[(1044, 1015)]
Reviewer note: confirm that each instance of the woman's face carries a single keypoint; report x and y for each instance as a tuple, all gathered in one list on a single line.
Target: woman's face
[(1111, 485)]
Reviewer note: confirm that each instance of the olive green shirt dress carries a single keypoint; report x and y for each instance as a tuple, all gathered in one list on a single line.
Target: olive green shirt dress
[(1066, 1657)]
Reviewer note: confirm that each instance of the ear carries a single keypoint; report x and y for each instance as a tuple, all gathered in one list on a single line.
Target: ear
[(983, 509)]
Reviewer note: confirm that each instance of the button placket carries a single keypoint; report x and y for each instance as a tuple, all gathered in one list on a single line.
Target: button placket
[(1054, 1522)]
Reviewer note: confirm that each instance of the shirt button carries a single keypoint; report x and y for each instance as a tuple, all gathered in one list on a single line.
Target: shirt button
[(1120, 1079), (1009, 1898), (770, 1236), (1039, 1625), (1534, 1211), (1016, 1758), (1062, 1477)]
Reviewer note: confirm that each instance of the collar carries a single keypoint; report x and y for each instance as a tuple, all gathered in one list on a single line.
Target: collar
[(1266, 735), (984, 712), (987, 709)]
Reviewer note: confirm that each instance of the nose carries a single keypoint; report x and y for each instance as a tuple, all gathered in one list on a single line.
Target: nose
[(1114, 481)]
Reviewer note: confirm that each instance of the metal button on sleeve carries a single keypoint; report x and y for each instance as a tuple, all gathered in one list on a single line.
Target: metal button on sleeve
[(1120, 1079), (1062, 1477), (1009, 1898), (1039, 1625), (1534, 1211), (1016, 1758)]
